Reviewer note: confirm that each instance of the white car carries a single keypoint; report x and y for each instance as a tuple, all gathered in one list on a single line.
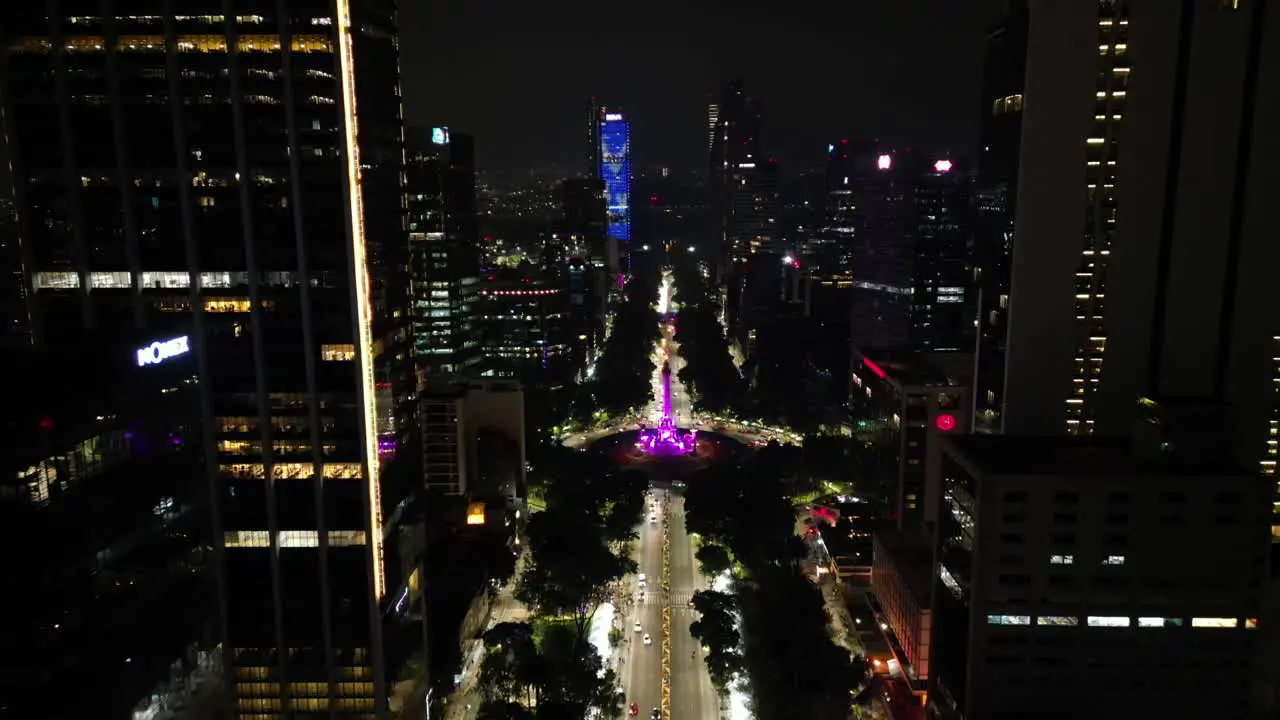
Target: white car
[(648, 640), (637, 627), (641, 577)]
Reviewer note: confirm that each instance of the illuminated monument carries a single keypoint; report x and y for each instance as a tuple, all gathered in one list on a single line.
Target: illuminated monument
[(667, 439)]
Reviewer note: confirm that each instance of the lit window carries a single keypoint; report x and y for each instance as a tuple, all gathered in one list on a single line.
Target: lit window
[(169, 279), (1251, 623), (1215, 622), (1008, 619), (247, 539), (342, 471), (1061, 559), (57, 280), (338, 353), (226, 305), (1108, 621), (1159, 622), (1058, 620), (1113, 560)]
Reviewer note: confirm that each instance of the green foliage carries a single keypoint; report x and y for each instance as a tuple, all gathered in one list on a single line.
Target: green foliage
[(798, 671), (709, 370), (715, 630), (623, 373), (570, 567), (714, 559), (559, 673)]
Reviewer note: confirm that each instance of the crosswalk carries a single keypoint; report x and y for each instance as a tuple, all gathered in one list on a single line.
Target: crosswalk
[(676, 598)]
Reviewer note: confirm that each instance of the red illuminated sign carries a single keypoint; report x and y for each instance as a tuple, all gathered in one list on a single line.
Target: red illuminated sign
[(873, 368), (945, 423)]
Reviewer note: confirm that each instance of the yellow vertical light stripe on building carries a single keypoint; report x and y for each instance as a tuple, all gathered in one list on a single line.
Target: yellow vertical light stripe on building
[(364, 306)]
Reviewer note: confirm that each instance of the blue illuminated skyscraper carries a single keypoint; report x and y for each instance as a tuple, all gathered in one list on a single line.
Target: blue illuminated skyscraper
[(615, 171)]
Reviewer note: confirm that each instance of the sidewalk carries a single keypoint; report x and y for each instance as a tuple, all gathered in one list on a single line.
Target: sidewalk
[(464, 702)]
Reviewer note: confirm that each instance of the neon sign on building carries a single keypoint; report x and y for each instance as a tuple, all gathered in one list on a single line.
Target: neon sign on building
[(161, 350), (615, 170)]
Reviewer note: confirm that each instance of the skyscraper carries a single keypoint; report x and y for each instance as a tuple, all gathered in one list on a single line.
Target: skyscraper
[(1151, 279), (236, 179), (743, 183), (994, 207), (440, 192), (615, 171)]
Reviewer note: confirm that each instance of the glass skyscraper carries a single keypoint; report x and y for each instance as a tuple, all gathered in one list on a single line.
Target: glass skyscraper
[(236, 179)]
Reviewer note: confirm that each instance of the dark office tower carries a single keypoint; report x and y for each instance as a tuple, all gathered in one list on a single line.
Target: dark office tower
[(883, 250), (440, 192), (585, 218), (994, 207), (14, 328), (237, 179), (594, 116), (942, 297), (743, 205), (1155, 277), (911, 257)]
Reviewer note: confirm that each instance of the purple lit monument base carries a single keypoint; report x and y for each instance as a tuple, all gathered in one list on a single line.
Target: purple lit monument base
[(667, 439)]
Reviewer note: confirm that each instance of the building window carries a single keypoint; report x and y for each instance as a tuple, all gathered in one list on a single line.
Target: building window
[(1008, 619), (1108, 621), (1159, 622), (1058, 620), (1215, 622), (1251, 623), (1061, 559), (57, 281), (105, 280), (338, 353), (1113, 560), (168, 279)]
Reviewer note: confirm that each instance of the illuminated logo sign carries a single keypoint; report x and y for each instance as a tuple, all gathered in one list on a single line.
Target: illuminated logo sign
[(161, 350), (612, 117), (945, 422), (942, 166), (884, 162), (440, 135), (874, 368)]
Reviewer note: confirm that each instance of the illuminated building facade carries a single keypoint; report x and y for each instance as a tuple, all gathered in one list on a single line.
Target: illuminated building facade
[(237, 179), (1151, 279), (444, 239), (1061, 568), (525, 325), (615, 172)]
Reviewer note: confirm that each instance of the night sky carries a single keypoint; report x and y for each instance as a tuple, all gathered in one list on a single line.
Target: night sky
[(516, 75)]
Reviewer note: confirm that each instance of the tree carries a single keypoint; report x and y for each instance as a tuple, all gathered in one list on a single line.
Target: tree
[(504, 710), (570, 567), (575, 683), (714, 559), (511, 665)]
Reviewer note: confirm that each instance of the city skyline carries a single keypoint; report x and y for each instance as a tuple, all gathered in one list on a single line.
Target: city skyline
[(854, 71)]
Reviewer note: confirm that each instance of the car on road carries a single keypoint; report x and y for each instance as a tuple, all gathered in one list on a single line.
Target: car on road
[(633, 709), (648, 640), (637, 627), (641, 578), (656, 714), (653, 519)]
